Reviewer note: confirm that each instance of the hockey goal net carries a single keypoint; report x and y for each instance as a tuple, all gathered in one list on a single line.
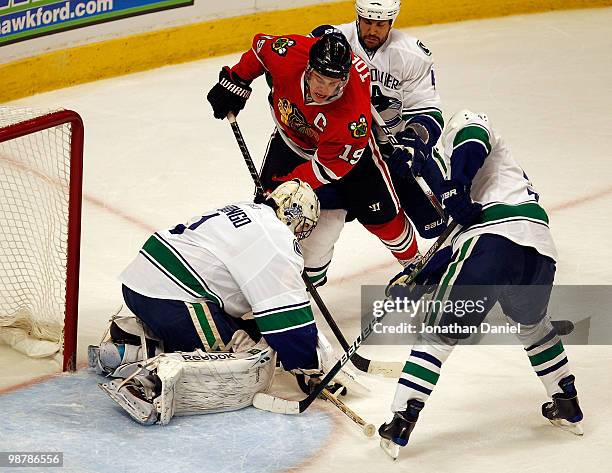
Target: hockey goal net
[(41, 155)]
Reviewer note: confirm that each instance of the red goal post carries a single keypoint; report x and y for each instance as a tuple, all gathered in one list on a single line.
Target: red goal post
[(41, 169)]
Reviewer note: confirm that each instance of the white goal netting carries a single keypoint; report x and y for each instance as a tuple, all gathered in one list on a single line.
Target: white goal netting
[(34, 221)]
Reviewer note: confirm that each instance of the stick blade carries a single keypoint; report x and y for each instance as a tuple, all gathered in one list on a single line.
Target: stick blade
[(388, 369), (267, 402)]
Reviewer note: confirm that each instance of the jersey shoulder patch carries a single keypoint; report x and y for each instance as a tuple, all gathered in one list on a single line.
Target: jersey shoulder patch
[(282, 44), (423, 47)]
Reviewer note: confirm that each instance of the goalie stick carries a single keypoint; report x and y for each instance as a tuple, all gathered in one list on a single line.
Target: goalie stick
[(279, 405), (358, 361)]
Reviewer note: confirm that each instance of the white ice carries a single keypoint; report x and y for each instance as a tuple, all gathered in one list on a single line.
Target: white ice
[(154, 156)]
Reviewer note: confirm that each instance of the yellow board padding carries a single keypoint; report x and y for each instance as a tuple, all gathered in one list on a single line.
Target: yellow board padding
[(154, 49)]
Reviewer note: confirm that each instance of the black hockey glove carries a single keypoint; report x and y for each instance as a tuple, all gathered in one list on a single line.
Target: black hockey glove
[(458, 204), (416, 137), (229, 94), (398, 163), (428, 276)]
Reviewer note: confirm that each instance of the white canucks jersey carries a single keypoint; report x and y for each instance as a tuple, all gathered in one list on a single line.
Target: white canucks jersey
[(240, 256), (509, 201), (402, 78)]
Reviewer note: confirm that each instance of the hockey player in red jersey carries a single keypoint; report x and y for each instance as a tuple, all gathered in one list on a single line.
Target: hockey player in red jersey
[(320, 101)]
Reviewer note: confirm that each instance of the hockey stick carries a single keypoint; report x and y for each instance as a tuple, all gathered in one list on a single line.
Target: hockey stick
[(357, 359), (271, 403), (259, 192), (368, 429), (268, 402), (563, 327), (392, 369), (420, 181)]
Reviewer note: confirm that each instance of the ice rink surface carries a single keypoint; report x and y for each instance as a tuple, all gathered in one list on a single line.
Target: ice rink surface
[(154, 157)]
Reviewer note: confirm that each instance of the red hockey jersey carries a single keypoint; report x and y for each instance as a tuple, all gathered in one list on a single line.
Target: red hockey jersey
[(333, 135)]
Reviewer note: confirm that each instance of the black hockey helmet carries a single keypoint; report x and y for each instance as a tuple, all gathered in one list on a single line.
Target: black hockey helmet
[(331, 56)]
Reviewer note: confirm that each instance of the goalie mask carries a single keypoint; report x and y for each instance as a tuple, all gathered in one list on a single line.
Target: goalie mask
[(297, 206)]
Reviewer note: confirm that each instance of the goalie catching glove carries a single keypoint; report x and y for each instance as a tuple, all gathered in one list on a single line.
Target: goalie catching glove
[(229, 94), (326, 360)]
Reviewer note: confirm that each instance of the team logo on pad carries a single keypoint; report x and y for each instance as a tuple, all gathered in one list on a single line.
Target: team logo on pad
[(359, 129), (281, 45)]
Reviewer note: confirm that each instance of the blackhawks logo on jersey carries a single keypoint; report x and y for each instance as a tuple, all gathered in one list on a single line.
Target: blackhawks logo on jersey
[(359, 129), (281, 45), (295, 119)]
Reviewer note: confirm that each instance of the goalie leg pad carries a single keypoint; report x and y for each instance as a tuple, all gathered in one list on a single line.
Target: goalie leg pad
[(195, 383), (200, 383)]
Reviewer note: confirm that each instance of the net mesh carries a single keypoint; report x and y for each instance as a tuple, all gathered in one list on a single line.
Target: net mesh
[(34, 183)]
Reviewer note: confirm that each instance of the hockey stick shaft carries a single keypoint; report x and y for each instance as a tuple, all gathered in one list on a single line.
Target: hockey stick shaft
[(420, 181), (309, 285), (450, 228), (245, 153), (358, 361), (392, 369), (368, 429), (269, 402)]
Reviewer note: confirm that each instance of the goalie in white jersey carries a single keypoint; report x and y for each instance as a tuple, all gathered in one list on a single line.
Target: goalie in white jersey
[(504, 252), (189, 288)]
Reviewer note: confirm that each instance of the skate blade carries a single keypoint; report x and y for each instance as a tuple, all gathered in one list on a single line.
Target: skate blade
[(574, 428), (126, 405), (390, 448)]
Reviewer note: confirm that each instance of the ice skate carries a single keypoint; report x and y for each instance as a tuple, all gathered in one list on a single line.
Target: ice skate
[(135, 397), (564, 410), (396, 433)]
